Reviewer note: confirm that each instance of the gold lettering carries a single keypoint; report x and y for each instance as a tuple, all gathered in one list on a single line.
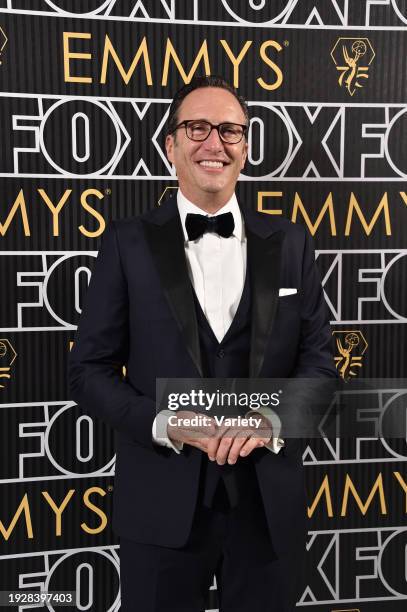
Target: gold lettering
[(18, 203), (23, 507), (268, 194), (55, 209), (58, 510), (95, 509), (354, 205), (170, 52), (93, 212), (126, 76), (236, 60), (68, 55), (324, 489), (273, 66), (403, 484), (350, 487), (328, 206)]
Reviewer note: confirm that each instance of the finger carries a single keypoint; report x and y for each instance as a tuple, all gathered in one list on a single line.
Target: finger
[(223, 449), (230, 434), (250, 445), (213, 443), (212, 447), (203, 445), (235, 448)]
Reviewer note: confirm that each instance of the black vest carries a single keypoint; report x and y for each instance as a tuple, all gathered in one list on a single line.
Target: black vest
[(227, 359)]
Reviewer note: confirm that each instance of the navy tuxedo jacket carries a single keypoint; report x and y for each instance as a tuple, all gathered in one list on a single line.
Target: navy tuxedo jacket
[(139, 312)]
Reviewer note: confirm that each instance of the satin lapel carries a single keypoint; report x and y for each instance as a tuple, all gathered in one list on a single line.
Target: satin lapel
[(264, 258), (167, 247)]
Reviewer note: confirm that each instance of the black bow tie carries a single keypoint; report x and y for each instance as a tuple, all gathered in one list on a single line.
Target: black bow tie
[(198, 225)]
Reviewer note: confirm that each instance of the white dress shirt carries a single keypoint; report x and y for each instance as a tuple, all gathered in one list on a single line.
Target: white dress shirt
[(217, 269), (216, 266)]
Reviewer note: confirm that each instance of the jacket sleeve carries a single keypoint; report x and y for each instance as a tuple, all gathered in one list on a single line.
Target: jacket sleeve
[(315, 357), (101, 348), (305, 399)]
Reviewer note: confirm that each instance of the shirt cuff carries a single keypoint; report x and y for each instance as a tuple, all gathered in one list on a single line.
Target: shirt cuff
[(159, 427), (276, 443)]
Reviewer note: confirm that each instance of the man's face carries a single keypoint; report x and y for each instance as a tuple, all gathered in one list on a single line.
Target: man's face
[(198, 180)]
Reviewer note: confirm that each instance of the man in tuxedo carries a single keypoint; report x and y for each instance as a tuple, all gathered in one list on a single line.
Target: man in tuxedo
[(202, 288)]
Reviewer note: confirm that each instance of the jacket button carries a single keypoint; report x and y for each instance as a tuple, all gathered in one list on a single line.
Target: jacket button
[(221, 353)]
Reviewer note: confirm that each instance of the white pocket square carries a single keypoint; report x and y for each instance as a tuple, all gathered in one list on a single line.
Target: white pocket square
[(284, 291)]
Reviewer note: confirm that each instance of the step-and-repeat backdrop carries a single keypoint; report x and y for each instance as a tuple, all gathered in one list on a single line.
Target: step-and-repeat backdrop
[(85, 89)]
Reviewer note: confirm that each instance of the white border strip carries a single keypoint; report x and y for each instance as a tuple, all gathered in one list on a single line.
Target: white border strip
[(191, 22)]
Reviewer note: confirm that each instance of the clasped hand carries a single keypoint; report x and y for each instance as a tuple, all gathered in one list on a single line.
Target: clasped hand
[(221, 443)]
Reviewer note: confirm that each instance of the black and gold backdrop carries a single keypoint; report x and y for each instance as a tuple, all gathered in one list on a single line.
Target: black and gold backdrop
[(84, 96)]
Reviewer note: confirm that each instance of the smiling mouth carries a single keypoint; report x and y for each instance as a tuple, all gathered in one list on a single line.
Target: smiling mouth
[(212, 164)]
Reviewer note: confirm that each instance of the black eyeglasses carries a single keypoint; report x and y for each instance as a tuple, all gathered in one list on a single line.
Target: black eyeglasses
[(199, 130)]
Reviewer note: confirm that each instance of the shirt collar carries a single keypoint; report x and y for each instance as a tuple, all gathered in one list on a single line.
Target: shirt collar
[(185, 207)]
